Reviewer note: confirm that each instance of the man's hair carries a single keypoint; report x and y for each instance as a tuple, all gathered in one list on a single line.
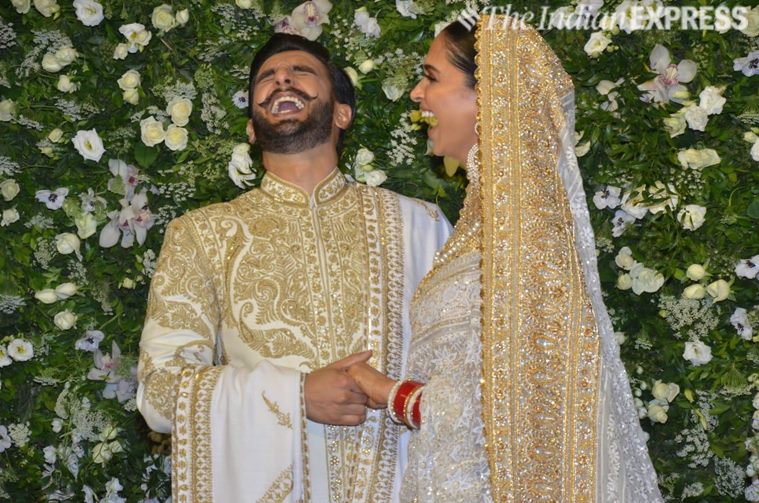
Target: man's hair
[(342, 87)]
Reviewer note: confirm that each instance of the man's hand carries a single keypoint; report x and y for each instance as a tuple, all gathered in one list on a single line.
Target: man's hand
[(332, 396)]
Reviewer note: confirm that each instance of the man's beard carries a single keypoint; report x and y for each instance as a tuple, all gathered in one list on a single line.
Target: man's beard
[(291, 136)]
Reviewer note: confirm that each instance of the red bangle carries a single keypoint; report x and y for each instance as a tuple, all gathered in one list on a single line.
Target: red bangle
[(401, 397), (413, 416)]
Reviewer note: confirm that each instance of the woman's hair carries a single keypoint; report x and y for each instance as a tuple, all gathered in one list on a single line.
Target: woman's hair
[(460, 43)]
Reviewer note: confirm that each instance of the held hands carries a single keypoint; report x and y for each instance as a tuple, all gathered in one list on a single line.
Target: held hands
[(332, 396), (340, 392), (373, 383)]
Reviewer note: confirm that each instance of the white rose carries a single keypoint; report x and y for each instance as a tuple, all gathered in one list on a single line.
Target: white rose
[(696, 292), (20, 350), (66, 55), (695, 272), (7, 110), (131, 96), (9, 189), (46, 296), (88, 144), (675, 124), (176, 137), (391, 90), (86, 225), (64, 320), (67, 243), (353, 75), (47, 7), (244, 4), (364, 156), (375, 177), (55, 135), (719, 290), (692, 216), (89, 12), (647, 281), (657, 413), (665, 391), (755, 151), (712, 100), (22, 6), (696, 117), (367, 66), (624, 282), (10, 216), (65, 290), (179, 109), (65, 85), (582, 149), (129, 80), (121, 51), (183, 16), (752, 26), (163, 18), (151, 131), (50, 63), (697, 353), (127, 283), (624, 259), (698, 158), (597, 43)]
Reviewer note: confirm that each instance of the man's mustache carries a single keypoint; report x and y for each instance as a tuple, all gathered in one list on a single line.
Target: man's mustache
[(302, 94)]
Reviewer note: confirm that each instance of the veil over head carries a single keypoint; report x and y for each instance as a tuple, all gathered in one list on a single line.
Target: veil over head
[(559, 417)]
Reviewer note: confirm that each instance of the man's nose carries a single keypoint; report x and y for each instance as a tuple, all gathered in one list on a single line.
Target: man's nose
[(283, 76)]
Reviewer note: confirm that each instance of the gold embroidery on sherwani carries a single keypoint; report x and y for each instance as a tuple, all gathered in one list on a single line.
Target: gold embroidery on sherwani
[(539, 338), (181, 275), (282, 418), (316, 278), (280, 488)]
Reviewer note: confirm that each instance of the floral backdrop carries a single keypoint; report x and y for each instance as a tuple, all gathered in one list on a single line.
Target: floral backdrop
[(117, 116)]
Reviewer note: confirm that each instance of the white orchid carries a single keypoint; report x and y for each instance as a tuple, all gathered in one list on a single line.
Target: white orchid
[(692, 216), (53, 199), (308, 18), (367, 24), (749, 65), (607, 197), (132, 222), (748, 268), (697, 352), (740, 321), (137, 36), (668, 85)]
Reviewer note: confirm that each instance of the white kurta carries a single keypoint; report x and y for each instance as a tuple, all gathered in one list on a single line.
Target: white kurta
[(248, 297)]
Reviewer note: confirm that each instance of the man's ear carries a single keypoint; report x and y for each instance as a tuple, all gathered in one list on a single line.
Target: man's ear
[(343, 115), (251, 132)]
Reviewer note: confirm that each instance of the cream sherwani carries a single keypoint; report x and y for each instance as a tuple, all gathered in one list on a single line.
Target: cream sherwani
[(251, 295)]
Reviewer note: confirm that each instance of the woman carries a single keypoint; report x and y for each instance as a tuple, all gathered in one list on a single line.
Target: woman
[(526, 398)]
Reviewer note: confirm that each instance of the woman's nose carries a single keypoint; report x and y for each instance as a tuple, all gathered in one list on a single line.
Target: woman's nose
[(417, 93)]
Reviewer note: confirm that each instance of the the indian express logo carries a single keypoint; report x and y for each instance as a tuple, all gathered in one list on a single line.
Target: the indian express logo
[(629, 16)]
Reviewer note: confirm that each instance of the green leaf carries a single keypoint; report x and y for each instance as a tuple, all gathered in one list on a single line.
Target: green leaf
[(144, 155), (753, 209)]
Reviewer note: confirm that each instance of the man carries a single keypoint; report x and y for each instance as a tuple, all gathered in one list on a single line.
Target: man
[(253, 300)]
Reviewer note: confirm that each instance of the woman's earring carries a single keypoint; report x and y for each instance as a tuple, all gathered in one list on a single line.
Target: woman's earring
[(477, 128)]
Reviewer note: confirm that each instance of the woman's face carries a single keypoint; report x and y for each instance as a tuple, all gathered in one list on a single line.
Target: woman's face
[(445, 94)]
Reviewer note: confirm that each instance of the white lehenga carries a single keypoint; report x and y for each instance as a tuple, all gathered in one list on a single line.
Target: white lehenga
[(447, 458)]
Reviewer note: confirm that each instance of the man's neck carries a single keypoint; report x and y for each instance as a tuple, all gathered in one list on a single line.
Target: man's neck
[(304, 169)]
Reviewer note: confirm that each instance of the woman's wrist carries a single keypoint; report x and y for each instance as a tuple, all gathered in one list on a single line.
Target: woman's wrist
[(403, 403)]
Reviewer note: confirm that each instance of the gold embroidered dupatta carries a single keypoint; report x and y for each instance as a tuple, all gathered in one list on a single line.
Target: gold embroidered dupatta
[(541, 362)]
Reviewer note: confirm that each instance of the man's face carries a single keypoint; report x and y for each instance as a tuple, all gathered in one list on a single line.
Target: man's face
[(292, 103)]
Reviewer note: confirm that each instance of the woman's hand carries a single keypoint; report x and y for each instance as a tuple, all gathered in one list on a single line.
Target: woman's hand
[(374, 384)]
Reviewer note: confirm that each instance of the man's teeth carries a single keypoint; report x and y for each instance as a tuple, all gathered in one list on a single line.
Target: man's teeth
[(286, 99), (427, 114)]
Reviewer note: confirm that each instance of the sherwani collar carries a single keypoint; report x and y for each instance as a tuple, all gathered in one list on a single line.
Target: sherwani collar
[(326, 190)]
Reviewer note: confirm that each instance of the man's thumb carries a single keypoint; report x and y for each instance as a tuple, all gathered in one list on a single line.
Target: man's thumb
[(353, 359)]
